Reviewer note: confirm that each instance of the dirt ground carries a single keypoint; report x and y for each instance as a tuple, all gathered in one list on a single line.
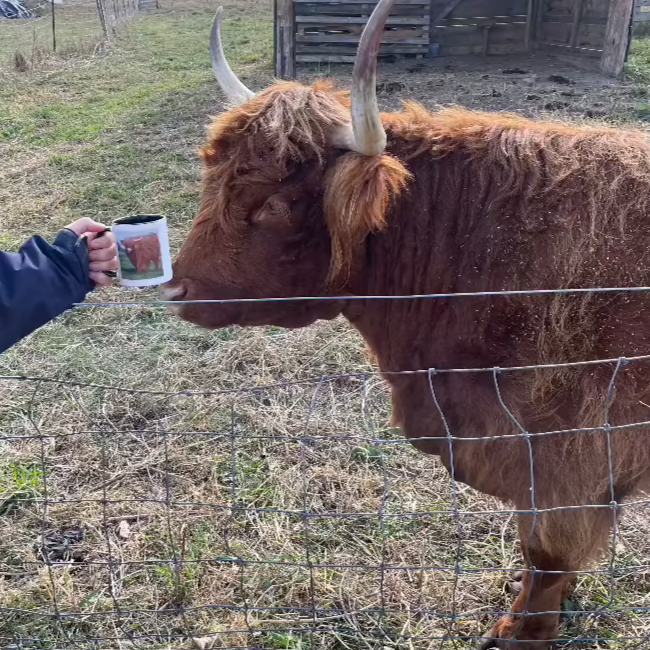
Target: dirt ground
[(536, 85)]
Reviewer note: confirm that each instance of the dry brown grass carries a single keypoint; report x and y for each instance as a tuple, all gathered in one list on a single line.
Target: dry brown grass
[(171, 467), (149, 481)]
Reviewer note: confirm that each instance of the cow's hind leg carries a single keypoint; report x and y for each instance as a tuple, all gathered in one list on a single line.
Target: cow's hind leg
[(552, 543)]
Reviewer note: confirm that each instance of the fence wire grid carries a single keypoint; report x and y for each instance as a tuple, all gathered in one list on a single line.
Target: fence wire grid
[(305, 565), (73, 28)]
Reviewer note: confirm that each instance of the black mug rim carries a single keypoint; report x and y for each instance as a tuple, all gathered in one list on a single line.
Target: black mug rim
[(138, 219)]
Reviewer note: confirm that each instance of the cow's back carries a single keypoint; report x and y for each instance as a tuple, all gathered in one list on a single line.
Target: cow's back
[(518, 208)]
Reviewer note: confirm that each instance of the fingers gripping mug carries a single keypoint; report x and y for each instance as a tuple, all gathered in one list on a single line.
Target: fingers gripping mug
[(143, 250)]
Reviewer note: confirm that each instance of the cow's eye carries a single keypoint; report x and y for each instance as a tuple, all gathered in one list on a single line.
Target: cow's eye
[(274, 213), (278, 207)]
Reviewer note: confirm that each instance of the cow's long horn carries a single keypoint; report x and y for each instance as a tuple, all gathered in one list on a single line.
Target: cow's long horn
[(369, 137), (234, 89)]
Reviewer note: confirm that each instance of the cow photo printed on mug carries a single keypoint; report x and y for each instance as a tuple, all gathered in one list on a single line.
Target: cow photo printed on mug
[(143, 250)]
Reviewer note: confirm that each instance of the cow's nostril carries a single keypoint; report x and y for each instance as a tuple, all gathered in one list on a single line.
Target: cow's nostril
[(173, 293)]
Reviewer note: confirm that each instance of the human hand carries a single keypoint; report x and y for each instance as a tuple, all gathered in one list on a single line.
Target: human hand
[(102, 251)]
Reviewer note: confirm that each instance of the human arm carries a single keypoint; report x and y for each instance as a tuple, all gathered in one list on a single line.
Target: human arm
[(43, 280)]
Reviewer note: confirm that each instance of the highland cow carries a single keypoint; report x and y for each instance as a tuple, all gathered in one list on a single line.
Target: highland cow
[(309, 193), (143, 252)]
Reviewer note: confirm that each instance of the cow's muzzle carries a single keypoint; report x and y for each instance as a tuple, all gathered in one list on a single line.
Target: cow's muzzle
[(170, 292)]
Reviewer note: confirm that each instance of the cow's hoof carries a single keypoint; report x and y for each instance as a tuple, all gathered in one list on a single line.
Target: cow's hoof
[(499, 634), (503, 637), (488, 644), (495, 643), (516, 584), (512, 644)]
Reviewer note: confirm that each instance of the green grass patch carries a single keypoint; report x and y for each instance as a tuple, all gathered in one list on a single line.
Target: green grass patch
[(638, 65), (9, 244), (19, 484)]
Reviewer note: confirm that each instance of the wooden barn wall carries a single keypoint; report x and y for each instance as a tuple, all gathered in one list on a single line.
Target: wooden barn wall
[(576, 26), (641, 11), (330, 31), (480, 27)]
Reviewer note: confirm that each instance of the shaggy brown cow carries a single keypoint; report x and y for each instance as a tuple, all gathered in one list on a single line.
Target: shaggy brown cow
[(299, 202), (143, 252)]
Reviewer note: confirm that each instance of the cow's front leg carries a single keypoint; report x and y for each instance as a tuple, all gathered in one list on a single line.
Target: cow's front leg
[(554, 544)]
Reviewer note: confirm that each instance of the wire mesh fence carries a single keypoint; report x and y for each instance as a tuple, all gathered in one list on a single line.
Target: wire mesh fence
[(284, 515), (69, 28)]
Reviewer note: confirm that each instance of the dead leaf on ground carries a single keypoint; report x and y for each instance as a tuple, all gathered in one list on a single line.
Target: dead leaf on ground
[(123, 529)]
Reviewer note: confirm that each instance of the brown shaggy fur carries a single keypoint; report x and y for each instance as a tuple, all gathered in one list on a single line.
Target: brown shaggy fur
[(358, 192), (460, 202)]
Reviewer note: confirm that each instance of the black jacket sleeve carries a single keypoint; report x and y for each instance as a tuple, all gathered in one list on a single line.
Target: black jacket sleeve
[(40, 282)]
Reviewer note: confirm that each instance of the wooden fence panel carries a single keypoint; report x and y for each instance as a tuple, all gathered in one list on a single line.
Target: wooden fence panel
[(480, 27), (330, 31), (574, 26), (642, 11)]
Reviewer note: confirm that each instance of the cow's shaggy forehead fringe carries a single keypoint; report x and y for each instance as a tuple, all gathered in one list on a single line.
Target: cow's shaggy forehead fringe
[(288, 120), (279, 131), (272, 136)]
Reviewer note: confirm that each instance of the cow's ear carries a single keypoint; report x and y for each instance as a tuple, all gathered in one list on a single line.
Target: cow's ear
[(275, 214)]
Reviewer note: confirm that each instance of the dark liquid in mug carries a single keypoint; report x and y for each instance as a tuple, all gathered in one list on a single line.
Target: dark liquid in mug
[(138, 219)]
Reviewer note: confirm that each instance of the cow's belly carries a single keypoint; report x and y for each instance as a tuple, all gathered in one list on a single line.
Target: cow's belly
[(495, 467)]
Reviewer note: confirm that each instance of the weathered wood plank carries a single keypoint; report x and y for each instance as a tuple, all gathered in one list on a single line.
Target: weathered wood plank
[(486, 39), (341, 29), (529, 24), (450, 50), (284, 37), (554, 47), (356, 9), (556, 33), (591, 10), (577, 15), (324, 58), (396, 6), (483, 9), (496, 20), (439, 9), (314, 34), (320, 19), (539, 18), (438, 13), (462, 50), (355, 38), (591, 36), (339, 49), (642, 11), (558, 6), (599, 7), (616, 37), (475, 35), (356, 29), (592, 19)]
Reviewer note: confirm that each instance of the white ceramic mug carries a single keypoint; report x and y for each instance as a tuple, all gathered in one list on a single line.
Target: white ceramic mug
[(143, 250)]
